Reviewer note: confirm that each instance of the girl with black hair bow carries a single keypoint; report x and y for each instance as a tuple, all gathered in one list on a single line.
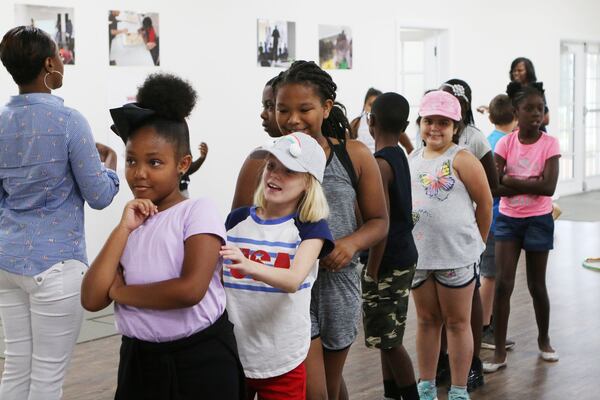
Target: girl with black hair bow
[(161, 264)]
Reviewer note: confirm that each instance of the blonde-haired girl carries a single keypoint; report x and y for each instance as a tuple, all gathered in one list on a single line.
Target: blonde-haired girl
[(271, 264)]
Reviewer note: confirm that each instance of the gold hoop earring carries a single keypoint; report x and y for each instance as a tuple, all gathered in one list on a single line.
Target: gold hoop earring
[(46, 77)]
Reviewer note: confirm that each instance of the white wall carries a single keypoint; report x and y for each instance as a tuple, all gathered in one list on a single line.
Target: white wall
[(213, 44)]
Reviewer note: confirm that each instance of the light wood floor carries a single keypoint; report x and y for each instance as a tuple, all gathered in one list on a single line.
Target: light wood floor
[(574, 329)]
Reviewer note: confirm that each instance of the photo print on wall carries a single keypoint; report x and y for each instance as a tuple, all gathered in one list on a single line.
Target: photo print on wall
[(335, 47), (276, 43), (55, 21), (133, 38)]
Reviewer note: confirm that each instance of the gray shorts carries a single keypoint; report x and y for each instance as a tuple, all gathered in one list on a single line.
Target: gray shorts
[(335, 307), (452, 278), (488, 258)]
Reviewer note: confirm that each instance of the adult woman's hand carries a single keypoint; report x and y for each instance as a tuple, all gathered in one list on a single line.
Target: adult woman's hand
[(107, 156)]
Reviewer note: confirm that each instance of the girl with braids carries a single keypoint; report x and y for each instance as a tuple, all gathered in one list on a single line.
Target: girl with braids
[(305, 102), (251, 170), (161, 264), (527, 162)]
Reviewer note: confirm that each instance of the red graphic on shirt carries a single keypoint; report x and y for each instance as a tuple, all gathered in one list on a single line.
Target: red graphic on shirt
[(260, 256)]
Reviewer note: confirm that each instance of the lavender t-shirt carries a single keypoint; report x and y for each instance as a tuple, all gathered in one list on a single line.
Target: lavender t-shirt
[(154, 253)]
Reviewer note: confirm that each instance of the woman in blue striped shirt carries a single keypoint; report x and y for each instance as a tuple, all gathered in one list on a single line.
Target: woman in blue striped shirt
[(49, 166)]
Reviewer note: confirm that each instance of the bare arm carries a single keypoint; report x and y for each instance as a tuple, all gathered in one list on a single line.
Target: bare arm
[(502, 190), (371, 202), (247, 182), (376, 252), (201, 257), (406, 143), (198, 163), (487, 161), (545, 185), (473, 176), (285, 279)]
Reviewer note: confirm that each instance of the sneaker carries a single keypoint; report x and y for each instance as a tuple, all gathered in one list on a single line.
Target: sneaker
[(475, 378), (442, 375), (488, 342), (458, 394), (491, 367), (427, 391)]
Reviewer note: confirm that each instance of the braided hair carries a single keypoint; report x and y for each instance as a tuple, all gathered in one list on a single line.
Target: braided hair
[(518, 92), (309, 73)]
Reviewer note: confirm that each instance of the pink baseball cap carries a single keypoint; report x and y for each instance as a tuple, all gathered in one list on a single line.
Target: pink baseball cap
[(441, 103)]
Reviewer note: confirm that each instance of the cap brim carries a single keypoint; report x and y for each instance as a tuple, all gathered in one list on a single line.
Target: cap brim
[(289, 161)]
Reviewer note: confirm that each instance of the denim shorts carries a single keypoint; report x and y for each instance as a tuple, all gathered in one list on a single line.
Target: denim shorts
[(535, 233), (454, 278)]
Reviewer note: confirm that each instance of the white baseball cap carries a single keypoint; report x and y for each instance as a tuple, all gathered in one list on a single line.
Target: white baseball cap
[(298, 152)]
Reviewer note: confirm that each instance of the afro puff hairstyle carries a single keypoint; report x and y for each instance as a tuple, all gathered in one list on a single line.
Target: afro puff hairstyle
[(172, 99)]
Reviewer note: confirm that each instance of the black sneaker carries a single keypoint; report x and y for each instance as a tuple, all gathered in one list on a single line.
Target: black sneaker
[(442, 374), (475, 378), (488, 342)]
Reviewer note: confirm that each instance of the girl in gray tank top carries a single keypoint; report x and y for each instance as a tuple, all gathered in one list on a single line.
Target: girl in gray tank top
[(305, 101), (452, 209), (445, 231)]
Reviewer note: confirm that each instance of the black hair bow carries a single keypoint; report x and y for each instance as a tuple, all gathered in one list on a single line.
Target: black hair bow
[(127, 118)]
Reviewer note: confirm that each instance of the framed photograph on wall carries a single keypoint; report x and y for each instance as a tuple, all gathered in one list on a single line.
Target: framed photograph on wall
[(276, 43), (335, 47), (133, 38), (57, 22)]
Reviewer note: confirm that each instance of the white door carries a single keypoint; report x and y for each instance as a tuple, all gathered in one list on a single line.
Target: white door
[(591, 117), (420, 67), (579, 117)]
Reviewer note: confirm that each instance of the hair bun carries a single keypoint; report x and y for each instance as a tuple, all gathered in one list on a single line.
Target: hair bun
[(168, 95), (539, 86), (513, 88)]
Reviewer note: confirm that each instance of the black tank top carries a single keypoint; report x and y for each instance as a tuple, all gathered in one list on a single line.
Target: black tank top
[(400, 250)]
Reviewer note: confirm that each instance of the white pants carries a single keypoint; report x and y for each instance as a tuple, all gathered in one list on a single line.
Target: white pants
[(41, 317)]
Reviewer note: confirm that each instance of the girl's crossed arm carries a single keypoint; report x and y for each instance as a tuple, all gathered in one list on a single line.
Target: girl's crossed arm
[(501, 189), (473, 176), (200, 258), (545, 185), (287, 280), (103, 271)]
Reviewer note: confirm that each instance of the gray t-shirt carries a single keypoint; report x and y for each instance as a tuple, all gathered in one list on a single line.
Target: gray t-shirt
[(445, 231), (475, 141)]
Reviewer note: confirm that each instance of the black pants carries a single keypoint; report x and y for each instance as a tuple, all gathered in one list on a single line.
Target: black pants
[(203, 366)]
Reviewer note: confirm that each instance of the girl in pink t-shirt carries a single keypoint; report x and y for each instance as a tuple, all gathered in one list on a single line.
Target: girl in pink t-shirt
[(527, 162), (161, 264)]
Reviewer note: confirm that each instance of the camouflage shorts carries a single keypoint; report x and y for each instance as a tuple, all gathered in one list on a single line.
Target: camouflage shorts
[(385, 304)]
